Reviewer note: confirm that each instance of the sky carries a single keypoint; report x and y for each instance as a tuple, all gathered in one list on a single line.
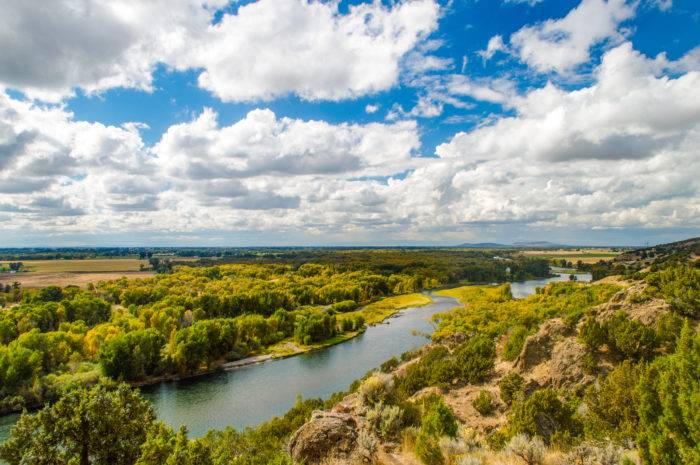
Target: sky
[(306, 122)]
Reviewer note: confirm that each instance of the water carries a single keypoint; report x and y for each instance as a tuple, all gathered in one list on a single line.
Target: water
[(250, 395), (522, 289), (6, 424)]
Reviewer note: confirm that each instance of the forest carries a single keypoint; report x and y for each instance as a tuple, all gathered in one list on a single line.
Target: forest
[(643, 407), (192, 319)]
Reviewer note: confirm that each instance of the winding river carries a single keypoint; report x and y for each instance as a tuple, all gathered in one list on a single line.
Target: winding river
[(249, 395)]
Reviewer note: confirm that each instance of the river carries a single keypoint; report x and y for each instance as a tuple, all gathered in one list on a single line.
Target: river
[(253, 394)]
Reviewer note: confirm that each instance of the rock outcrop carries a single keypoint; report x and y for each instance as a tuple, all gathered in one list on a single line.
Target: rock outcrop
[(632, 300), (538, 347), (552, 357), (326, 436)]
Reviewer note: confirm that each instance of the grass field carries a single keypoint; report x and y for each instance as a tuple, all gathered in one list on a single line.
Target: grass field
[(377, 312), (38, 280), (97, 265), (573, 255)]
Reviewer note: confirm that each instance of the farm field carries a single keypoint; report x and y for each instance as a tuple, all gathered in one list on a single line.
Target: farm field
[(574, 255), (97, 265), (82, 279)]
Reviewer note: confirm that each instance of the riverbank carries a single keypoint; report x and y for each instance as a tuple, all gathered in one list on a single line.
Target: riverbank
[(373, 313), (250, 392)]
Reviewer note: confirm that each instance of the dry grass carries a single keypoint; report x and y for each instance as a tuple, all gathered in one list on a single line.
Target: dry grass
[(97, 265), (38, 280)]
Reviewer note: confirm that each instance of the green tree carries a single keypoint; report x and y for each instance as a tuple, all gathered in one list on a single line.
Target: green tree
[(592, 334), (511, 387), (542, 414), (669, 412), (613, 404), (103, 425), (133, 355)]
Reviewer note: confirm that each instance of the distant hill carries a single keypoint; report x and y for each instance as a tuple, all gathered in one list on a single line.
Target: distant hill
[(483, 245), (686, 247), (539, 245), (515, 245)]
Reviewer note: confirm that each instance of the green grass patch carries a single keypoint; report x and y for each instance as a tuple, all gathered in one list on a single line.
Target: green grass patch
[(379, 311)]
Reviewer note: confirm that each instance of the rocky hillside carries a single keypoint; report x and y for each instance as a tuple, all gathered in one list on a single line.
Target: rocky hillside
[(686, 248), (580, 389)]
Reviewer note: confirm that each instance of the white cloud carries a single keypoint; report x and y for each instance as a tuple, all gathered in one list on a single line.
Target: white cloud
[(267, 49), (495, 45), (560, 45), (528, 2), (50, 48), (372, 108), (620, 153), (261, 144), (628, 113), (663, 5)]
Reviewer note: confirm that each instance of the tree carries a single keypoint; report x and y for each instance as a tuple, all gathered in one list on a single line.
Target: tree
[(542, 415), (132, 355), (102, 425), (669, 412), (613, 403), (15, 266)]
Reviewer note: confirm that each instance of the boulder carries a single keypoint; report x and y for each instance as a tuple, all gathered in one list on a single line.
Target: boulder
[(326, 436)]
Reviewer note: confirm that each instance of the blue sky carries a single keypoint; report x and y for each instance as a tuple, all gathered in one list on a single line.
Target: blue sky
[(308, 122)]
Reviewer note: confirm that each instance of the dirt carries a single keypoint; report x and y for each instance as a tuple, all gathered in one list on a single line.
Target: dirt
[(39, 280), (632, 301)]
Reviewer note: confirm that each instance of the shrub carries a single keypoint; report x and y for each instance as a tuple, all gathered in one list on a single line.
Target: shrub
[(475, 359), (389, 365), (530, 450), (376, 389), (358, 322), (669, 395), (541, 415), (612, 404), (680, 286), (427, 449), (591, 334), (630, 338), (344, 306), (590, 363), (511, 387), (391, 421), (515, 342), (483, 403), (438, 419), (668, 328), (497, 439), (593, 453), (346, 325)]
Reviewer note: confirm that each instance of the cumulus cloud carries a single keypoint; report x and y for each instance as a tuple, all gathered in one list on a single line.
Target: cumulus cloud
[(495, 45), (277, 47), (265, 49), (262, 144), (619, 153), (560, 45), (51, 48)]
